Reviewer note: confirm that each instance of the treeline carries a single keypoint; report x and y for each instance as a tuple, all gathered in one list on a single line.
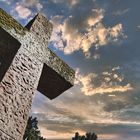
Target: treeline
[(88, 136), (33, 133)]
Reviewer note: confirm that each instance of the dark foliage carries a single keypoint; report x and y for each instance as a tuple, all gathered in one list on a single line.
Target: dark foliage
[(32, 132), (88, 136)]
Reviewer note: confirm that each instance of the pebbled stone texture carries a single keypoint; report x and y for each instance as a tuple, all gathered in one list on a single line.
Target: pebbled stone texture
[(35, 41), (32, 66), (4, 136), (16, 91)]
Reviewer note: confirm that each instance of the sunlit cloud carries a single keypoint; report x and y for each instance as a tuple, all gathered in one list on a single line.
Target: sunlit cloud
[(99, 15), (103, 89), (66, 129), (54, 134), (108, 82), (107, 136), (69, 39), (22, 11)]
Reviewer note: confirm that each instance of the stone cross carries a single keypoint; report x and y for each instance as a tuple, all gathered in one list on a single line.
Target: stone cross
[(27, 65)]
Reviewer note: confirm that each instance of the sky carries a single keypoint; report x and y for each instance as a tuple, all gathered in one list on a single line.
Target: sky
[(100, 40)]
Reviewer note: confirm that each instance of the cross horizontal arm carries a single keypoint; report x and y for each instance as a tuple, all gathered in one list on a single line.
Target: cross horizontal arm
[(56, 76), (34, 38)]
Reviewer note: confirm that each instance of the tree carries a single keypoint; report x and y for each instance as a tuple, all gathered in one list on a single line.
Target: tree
[(32, 132), (91, 136), (88, 136)]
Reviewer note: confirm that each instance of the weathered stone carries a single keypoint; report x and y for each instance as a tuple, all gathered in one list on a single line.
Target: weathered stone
[(26, 65), (4, 136)]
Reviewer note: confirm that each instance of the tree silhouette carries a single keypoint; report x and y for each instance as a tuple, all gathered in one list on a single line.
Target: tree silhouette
[(32, 132), (88, 136)]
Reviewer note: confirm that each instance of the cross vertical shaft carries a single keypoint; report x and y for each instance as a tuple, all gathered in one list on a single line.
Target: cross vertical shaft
[(26, 65)]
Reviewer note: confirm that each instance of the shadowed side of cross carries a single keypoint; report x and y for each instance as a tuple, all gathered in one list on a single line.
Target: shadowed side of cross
[(26, 65)]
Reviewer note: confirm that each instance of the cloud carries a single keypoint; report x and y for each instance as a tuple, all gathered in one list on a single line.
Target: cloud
[(67, 129), (138, 27), (69, 2), (54, 135), (76, 112), (32, 3), (109, 114), (106, 89), (22, 11), (6, 1), (121, 12), (107, 82), (132, 69), (25, 9), (108, 136), (69, 37)]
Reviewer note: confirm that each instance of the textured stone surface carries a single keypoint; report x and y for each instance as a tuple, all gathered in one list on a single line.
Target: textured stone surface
[(4, 136), (16, 91), (39, 25), (38, 45), (24, 58), (8, 23)]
